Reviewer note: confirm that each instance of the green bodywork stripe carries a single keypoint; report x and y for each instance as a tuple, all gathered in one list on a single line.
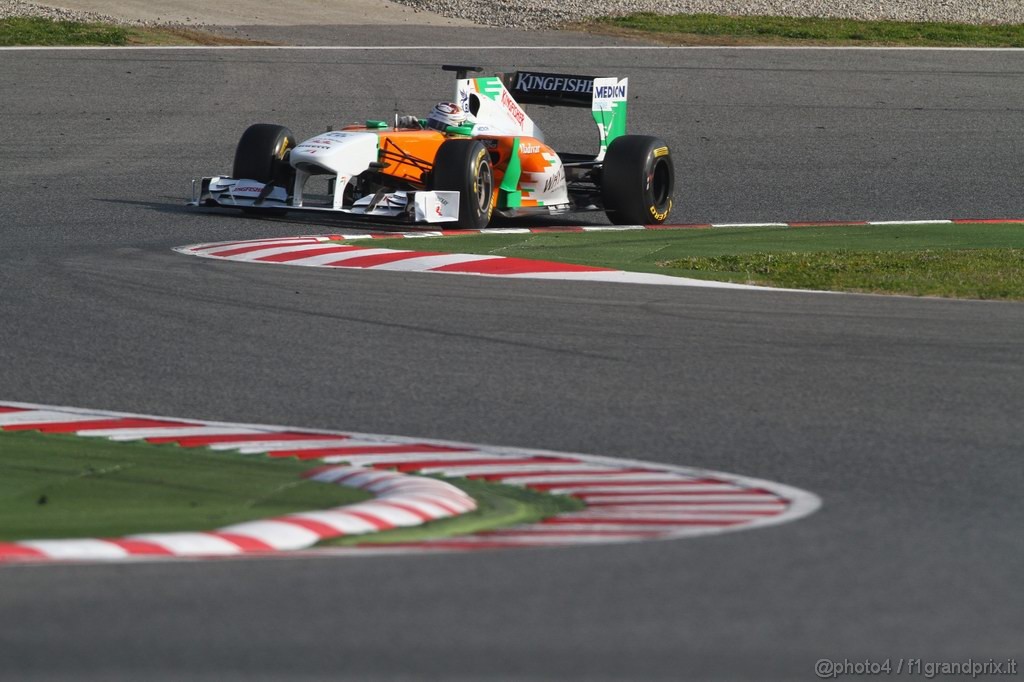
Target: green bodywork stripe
[(510, 196), (489, 87), (611, 123)]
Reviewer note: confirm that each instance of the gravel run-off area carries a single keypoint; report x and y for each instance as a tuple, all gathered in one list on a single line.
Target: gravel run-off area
[(550, 13), (17, 8), (547, 14)]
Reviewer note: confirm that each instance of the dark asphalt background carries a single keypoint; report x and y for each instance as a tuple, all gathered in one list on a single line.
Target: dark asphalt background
[(904, 415)]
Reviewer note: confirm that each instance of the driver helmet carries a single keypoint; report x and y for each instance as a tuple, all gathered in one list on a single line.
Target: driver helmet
[(446, 114)]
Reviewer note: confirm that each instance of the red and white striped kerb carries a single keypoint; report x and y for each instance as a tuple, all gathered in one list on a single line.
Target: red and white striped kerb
[(324, 252), (625, 500)]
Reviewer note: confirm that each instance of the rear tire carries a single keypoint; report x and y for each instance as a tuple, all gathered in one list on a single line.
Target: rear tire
[(261, 155), (637, 180), (464, 166)]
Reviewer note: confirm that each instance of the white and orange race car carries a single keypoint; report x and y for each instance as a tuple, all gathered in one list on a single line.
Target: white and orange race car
[(472, 158)]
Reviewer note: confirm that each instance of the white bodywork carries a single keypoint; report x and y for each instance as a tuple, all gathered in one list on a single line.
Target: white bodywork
[(608, 107), (497, 112), (338, 153), (548, 188)]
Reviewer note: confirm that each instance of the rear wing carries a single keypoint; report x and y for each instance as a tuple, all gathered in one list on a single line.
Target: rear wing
[(496, 101), (551, 89)]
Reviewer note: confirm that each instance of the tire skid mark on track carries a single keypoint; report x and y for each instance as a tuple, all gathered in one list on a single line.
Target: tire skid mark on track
[(626, 500)]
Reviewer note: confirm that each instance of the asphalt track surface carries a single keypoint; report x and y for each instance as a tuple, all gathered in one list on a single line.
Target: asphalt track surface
[(902, 414)]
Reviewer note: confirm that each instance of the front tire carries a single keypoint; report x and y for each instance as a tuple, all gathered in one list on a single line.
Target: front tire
[(637, 180), (464, 166), (261, 155)]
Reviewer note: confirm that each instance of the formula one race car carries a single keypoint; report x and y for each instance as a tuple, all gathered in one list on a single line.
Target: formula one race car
[(468, 160)]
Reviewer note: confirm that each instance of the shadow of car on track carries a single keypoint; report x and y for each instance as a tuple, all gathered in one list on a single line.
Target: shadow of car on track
[(330, 221)]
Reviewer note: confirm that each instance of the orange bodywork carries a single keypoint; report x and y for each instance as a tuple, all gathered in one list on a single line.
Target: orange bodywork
[(409, 155)]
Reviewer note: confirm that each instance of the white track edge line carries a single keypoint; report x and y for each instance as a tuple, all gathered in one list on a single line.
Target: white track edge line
[(513, 48)]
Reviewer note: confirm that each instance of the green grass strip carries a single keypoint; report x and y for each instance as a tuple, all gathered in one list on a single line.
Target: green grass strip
[(775, 29), (498, 506), (964, 261), (975, 273), (59, 486), (38, 31)]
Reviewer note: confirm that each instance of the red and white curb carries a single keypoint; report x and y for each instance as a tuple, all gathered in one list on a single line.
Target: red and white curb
[(401, 500), (626, 500), (323, 251)]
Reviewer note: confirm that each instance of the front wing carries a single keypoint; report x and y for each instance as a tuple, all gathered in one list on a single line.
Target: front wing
[(250, 195)]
